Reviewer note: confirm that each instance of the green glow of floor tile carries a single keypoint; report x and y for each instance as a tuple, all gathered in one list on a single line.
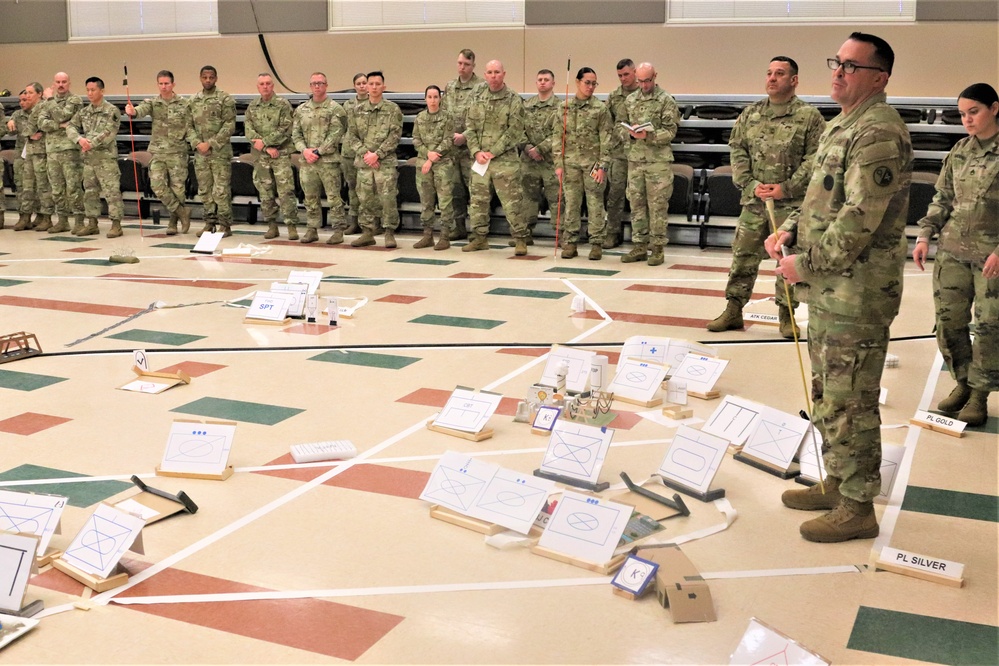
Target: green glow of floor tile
[(427, 262), (11, 283), (527, 293), (24, 381), (79, 494), (458, 322), (346, 279), (923, 638), (238, 410), (366, 359), (156, 337), (581, 271), (951, 503), (176, 246), (91, 262), (67, 239)]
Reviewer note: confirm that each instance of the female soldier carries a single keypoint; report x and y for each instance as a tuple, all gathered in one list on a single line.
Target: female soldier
[(965, 214), (433, 139), (586, 154), (347, 155)]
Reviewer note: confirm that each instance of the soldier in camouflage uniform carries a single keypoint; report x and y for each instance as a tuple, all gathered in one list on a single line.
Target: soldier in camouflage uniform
[(17, 123), (965, 215), (95, 128), (347, 157), (433, 138), (588, 137), (457, 97), (172, 132), (213, 113), (650, 165), (317, 133), (772, 143), (373, 134), (848, 260), (540, 118), (618, 174), (37, 195), (267, 125), (495, 130), (65, 166)]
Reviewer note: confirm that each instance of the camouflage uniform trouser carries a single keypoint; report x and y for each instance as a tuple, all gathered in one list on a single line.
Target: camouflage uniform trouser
[(214, 174), (168, 178), (66, 180), (274, 180), (101, 175), (350, 175), (378, 191), (505, 177), (577, 183), (748, 252), (616, 190), (324, 174), (462, 182), (956, 285), (848, 357), (539, 180), (650, 185), (35, 176), (437, 186), (23, 202)]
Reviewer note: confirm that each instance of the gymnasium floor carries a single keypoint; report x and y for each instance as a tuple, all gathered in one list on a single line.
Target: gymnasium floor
[(342, 562)]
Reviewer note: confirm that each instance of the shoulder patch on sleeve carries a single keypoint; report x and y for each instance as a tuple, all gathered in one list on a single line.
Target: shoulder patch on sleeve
[(878, 152)]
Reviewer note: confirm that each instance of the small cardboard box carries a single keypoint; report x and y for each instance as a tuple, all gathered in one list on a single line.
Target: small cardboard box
[(679, 585)]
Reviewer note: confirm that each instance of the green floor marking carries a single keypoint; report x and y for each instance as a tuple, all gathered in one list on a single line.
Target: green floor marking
[(366, 359)]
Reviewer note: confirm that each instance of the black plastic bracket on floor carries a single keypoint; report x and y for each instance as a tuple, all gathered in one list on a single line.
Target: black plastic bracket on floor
[(780, 474), (180, 498), (677, 503), (709, 496), (597, 487)]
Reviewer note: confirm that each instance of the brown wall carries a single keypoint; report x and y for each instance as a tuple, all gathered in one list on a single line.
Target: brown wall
[(935, 59)]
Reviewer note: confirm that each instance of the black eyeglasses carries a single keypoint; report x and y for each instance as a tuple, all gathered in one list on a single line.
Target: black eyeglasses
[(848, 66), (317, 83)]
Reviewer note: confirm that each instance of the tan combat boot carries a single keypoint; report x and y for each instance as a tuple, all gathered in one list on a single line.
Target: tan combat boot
[(272, 231), (569, 251), (528, 240), (115, 229), (292, 232), (23, 222), (61, 227), (364, 240), (171, 229), (442, 243), (520, 249), (209, 228), (426, 240), (335, 238), (225, 228), (476, 243), (638, 253), (311, 236), (729, 320), (78, 224), (184, 215), (611, 241), (596, 252), (812, 499), (957, 399), (976, 411), (849, 520), (43, 223), (390, 239), (459, 232), (91, 228), (788, 328), (352, 226), (656, 257)]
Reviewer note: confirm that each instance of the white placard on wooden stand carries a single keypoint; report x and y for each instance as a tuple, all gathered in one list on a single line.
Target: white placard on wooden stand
[(31, 513), (938, 423), (466, 414), (691, 462), (269, 308), (198, 450)]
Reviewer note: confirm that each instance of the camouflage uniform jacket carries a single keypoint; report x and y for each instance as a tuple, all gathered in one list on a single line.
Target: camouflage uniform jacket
[(775, 143), (271, 122), (619, 114), (54, 112), (172, 129), (434, 132), (20, 118), (35, 146), (588, 134), (851, 245), (495, 122), (658, 108), (456, 99), (540, 119), (376, 128), (99, 125), (965, 209), (319, 125), (214, 117), (349, 107)]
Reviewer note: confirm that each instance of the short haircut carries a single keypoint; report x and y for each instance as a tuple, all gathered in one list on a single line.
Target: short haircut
[(790, 61), (583, 71), (375, 73), (432, 87), (548, 72), (95, 79), (359, 75), (208, 68), (468, 54), (982, 93), (318, 74), (625, 62), (36, 86), (164, 72), (883, 54)]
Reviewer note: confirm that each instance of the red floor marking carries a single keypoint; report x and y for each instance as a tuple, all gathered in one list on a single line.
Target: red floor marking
[(380, 479), (399, 298), (267, 262), (194, 368), (524, 351), (309, 329), (685, 291), (471, 275), (659, 320), (82, 249), (69, 306), (178, 282), (712, 269), (324, 627), (29, 423)]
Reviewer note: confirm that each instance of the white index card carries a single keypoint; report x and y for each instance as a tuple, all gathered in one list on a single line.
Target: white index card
[(676, 392), (577, 450), (29, 513), (269, 306), (104, 538), (776, 437), (310, 278), (637, 379), (195, 447), (810, 455), (762, 644), (693, 458), (457, 481), (735, 419), (891, 462), (139, 359), (588, 528), (468, 410), (700, 372), (579, 360), (297, 291), (208, 242), (653, 350), (17, 558)]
